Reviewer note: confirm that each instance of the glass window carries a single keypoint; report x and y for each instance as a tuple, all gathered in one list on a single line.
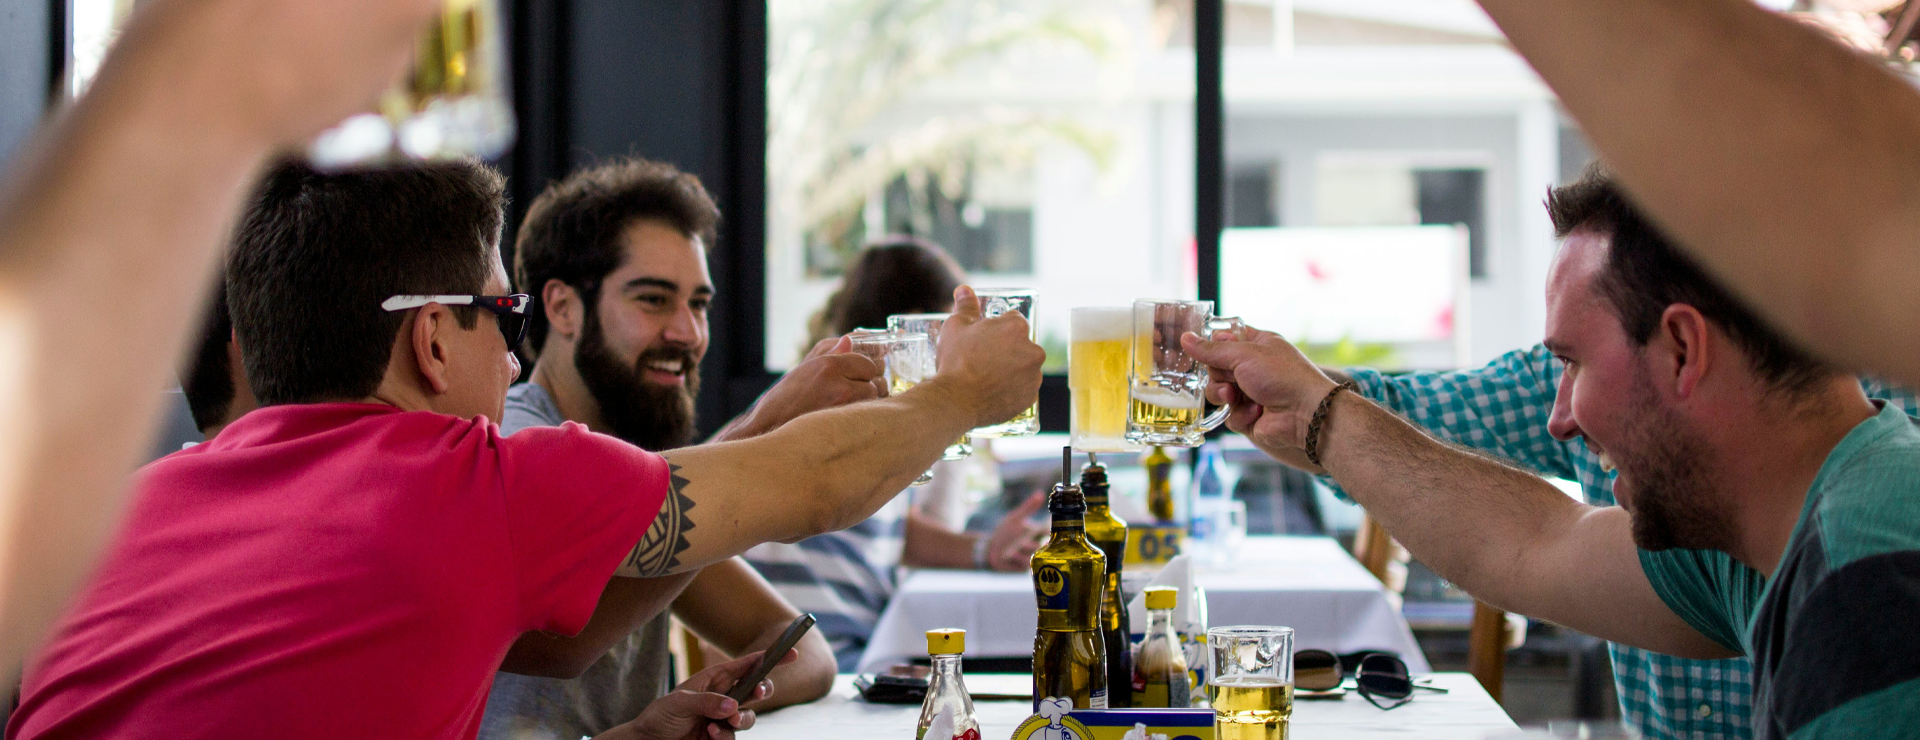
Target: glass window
[(93, 25), (1403, 151), (1042, 143)]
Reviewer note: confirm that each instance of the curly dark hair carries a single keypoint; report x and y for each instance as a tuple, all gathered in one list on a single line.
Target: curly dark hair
[(572, 231)]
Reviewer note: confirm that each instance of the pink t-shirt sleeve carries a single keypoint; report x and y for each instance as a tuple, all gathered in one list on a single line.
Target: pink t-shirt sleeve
[(576, 504)]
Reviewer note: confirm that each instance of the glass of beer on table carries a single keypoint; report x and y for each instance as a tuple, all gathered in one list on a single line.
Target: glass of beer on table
[(995, 302), (1167, 387), (1100, 346), (452, 103), (906, 358), (1250, 677), (929, 324)]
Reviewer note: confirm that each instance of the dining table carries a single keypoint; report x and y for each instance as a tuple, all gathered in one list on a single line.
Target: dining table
[(1464, 712)]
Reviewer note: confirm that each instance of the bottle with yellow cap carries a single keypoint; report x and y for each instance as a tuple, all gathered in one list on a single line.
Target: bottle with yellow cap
[(1160, 668), (947, 713), (1069, 654)]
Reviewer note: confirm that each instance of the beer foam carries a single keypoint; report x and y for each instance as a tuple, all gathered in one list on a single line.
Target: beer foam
[(1102, 324), (1165, 398)]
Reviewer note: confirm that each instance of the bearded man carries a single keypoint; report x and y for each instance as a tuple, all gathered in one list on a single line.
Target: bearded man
[(1765, 503)]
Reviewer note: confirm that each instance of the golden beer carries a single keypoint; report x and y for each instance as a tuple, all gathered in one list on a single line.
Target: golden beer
[(1164, 410), (452, 103), (1251, 708)]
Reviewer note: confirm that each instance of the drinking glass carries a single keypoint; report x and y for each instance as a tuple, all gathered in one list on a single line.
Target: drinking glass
[(1250, 676), (995, 302), (1101, 343), (452, 103), (1167, 387), (929, 324), (905, 357)]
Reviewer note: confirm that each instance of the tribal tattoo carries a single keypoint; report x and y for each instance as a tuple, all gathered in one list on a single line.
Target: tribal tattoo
[(659, 550)]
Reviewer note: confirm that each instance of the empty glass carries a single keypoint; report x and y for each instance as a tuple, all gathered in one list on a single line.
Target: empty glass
[(1167, 387), (995, 302), (1250, 676)]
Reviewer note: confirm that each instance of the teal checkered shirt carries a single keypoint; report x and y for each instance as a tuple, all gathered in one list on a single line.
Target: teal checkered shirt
[(1502, 409)]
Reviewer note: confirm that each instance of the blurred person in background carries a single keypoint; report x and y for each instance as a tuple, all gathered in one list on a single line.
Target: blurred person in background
[(188, 106), (617, 257), (213, 381), (846, 578)]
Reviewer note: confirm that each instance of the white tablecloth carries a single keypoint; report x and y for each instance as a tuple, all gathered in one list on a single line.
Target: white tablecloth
[(1464, 713), (1307, 583)]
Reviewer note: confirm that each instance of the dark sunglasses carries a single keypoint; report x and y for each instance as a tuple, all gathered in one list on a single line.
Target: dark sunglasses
[(1384, 677), (1317, 670), (511, 310)]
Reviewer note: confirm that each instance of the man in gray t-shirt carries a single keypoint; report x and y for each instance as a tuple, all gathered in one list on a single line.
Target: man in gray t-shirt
[(615, 257)]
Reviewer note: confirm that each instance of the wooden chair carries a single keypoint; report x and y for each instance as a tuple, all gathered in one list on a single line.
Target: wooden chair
[(1487, 638), (689, 654)]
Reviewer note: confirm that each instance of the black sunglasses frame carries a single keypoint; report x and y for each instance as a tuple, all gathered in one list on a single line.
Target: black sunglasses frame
[(1384, 676)]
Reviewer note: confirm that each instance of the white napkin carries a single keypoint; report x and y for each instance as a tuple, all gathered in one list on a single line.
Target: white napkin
[(1178, 573)]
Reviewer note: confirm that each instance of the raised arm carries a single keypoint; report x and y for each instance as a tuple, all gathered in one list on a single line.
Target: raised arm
[(1505, 536), (830, 469), (109, 224), (1788, 163)]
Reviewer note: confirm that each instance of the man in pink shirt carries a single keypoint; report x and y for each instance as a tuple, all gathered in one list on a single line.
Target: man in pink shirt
[(358, 556)]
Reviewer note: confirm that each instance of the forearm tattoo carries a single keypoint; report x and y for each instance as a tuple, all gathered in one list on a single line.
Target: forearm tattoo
[(659, 550)]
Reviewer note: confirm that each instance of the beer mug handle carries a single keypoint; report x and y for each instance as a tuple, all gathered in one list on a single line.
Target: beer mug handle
[(1239, 329)]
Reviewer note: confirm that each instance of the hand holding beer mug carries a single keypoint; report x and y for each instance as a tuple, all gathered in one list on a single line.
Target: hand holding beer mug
[(1250, 676), (998, 302), (991, 365), (906, 359), (452, 103), (929, 324), (1167, 385)]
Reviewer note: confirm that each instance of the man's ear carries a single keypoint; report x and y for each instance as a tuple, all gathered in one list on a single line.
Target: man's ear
[(428, 337), (564, 308), (1684, 343)]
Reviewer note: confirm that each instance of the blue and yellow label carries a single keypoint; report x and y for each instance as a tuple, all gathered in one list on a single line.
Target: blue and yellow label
[(1050, 587), (1052, 723), (1152, 545)]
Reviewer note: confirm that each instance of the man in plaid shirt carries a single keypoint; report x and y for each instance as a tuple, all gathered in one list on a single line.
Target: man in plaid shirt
[(1502, 409)]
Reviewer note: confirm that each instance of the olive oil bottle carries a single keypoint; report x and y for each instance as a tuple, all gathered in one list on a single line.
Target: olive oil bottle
[(1108, 533), (1069, 653), (1159, 467)]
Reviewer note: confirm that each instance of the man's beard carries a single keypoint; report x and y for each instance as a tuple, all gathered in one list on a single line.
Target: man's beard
[(651, 416), (1673, 502)]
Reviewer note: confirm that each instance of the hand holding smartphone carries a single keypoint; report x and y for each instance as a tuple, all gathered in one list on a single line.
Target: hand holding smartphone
[(743, 689)]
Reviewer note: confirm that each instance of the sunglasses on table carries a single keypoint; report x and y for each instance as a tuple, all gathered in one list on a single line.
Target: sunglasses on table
[(1383, 680), (511, 310)]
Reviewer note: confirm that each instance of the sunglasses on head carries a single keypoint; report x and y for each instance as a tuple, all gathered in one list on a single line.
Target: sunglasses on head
[(1382, 678), (511, 310)]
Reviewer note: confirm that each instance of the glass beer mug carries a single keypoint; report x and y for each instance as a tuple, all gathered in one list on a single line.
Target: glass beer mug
[(1166, 386), (929, 324), (1100, 347), (452, 102), (906, 358), (995, 302)]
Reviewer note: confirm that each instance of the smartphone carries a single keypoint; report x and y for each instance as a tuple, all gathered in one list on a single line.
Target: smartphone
[(744, 689)]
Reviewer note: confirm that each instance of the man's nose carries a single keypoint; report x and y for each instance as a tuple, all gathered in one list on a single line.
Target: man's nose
[(685, 328), (1561, 424), (513, 361)]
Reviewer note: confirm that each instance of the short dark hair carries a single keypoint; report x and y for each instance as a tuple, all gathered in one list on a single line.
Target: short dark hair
[(206, 380), (1645, 273), (572, 231), (894, 274), (316, 253)]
